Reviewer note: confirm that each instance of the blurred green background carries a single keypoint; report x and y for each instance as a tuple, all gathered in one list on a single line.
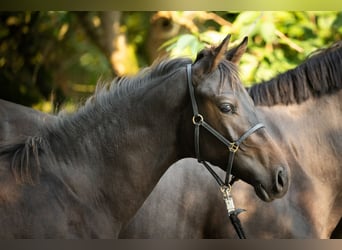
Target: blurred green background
[(53, 59)]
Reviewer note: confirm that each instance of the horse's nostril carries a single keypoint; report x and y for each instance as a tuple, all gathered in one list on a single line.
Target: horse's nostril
[(281, 179)]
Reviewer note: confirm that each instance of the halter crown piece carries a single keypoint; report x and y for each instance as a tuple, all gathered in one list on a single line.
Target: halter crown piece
[(225, 186)]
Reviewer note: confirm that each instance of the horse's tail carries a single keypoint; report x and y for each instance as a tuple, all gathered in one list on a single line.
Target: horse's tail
[(24, 160)]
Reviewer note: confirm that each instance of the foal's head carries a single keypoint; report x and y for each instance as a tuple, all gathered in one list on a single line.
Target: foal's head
[(226, 106)]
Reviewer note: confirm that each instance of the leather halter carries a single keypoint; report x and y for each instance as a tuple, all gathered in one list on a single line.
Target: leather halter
[(225, 186), (233, 146)]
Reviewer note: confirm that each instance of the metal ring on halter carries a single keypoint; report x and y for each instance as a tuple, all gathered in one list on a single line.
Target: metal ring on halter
[(197, 119)]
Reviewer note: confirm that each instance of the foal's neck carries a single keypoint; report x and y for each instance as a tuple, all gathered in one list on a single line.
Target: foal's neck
[(133, 142)]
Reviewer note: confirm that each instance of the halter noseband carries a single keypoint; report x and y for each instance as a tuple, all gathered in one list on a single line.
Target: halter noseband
[(225, 186)]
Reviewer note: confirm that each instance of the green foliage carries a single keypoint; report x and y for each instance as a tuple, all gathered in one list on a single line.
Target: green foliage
[(186, 45), (278, 40), (44, 55), (49, 57), (136, 25)]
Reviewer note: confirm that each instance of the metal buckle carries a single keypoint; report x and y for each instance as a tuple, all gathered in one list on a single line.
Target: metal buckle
[(197, 119), (233, 147)]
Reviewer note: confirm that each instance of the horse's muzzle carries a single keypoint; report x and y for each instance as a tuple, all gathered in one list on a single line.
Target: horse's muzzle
[(277, 189)]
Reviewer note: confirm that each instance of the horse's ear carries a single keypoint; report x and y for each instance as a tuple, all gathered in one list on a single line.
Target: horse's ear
[(208, 59), (234, 55), (219, 53)]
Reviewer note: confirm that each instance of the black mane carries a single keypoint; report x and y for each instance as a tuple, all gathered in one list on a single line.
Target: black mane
[(320, 74), (25, 152)]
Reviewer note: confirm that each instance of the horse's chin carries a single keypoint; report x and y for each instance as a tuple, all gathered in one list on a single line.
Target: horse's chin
[(262, 194)]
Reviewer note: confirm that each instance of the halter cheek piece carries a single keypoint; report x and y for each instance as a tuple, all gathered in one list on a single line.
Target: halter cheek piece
[(233, 147)]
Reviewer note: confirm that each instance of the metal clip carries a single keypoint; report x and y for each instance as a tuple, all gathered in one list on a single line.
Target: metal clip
[(228, 199)]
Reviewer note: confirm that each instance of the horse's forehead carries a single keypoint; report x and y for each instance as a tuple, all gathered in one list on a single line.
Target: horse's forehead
[(221, 87)]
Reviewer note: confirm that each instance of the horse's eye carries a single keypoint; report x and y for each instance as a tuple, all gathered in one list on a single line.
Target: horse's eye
[(227, 108)]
